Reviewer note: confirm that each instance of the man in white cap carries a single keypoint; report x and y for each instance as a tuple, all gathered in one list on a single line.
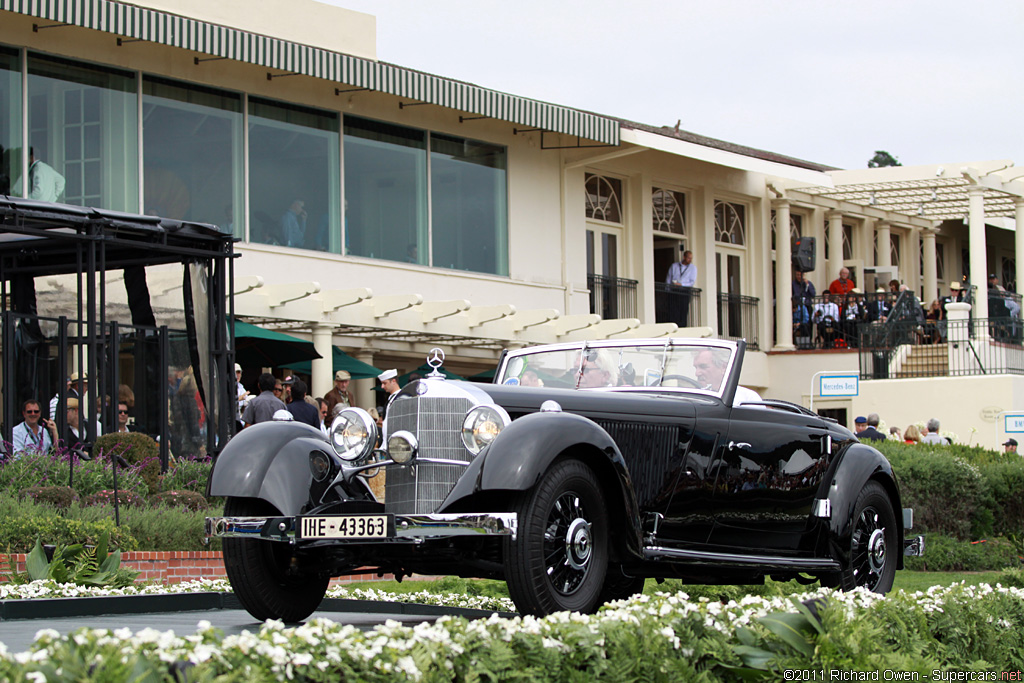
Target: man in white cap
[(339, 395), (389, 385), (389, 381)]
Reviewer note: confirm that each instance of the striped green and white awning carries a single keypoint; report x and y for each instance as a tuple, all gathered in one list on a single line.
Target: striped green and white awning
[(221, 41)]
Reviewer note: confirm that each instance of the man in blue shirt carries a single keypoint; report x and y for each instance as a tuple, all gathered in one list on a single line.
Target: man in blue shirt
[(682, 275)]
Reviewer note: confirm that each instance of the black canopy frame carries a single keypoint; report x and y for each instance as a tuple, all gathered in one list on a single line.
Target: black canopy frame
[(41, 239)]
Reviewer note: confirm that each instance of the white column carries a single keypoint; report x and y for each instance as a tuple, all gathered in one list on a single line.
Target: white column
[(362, 390), (1019, 206), (978, 250), (835, 240), (783, 278), (704, 255), (322, 379), (931, 284), (884, 244)]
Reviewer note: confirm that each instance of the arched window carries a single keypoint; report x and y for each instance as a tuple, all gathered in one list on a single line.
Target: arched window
[(730, 223), (669, 209), (604, 198)]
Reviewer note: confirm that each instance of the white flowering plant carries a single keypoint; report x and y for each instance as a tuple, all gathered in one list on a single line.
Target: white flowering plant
[(659, 637)]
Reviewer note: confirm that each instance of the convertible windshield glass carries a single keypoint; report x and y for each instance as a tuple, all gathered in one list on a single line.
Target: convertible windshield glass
[(700, 367)]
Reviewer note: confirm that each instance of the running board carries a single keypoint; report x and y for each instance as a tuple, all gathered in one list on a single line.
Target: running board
[(770, 562)]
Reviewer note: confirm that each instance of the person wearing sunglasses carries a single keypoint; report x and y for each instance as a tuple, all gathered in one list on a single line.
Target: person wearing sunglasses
[(35, 434), (122, 418)]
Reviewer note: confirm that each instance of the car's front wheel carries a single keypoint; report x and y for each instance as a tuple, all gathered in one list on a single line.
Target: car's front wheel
[(261, 572), (874, 544), (560, 556)]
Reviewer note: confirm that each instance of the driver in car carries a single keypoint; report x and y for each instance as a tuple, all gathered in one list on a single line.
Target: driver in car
[(710, 366), (598, 371)]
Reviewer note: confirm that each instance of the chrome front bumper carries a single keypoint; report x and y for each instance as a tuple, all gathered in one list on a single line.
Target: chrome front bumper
[(414, 528)]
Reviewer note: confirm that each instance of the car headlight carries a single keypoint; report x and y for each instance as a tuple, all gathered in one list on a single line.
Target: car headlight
[(353, 434), (402, 447), (482, 426)]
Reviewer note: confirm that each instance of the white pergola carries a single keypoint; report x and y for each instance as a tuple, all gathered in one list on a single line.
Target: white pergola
[(408, 322)]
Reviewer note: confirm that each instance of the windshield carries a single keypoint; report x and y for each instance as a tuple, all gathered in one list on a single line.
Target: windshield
[(695, 366)]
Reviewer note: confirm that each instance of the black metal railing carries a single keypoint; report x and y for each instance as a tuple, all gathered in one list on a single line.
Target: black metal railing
[(941, 348), (737, 318), (612, 297), (831, 322), (675, 304)]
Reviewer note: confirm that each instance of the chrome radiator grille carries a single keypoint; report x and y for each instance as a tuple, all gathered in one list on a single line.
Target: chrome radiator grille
[(437, 424)]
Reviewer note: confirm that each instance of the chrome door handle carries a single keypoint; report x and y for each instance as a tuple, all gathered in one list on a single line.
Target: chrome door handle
[(733, 445)]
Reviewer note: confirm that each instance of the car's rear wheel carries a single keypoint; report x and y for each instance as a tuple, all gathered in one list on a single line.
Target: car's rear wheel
[(560, 556), (874, 544), (261, 572)]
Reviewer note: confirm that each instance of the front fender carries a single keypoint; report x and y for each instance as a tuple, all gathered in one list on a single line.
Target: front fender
[(269, 461), (858, 463), (523, 452)]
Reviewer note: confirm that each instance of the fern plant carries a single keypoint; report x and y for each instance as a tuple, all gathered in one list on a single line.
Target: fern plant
[(78, 564)]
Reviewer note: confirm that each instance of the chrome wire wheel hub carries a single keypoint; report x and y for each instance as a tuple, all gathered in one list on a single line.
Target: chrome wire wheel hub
[(876, 550), (869, 549), (568, 544), (578, 546)]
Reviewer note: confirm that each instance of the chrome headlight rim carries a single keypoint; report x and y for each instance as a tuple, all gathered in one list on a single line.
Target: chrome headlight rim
[(398, 454), (476, 439), (363, 427)]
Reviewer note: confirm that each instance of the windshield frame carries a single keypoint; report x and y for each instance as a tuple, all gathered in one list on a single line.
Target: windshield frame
[(665, 346)]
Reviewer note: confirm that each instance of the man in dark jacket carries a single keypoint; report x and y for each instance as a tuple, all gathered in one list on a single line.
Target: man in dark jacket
[(300, 410), (867, 428)]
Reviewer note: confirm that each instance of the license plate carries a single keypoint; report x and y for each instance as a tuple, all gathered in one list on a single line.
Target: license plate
[(345, 526)]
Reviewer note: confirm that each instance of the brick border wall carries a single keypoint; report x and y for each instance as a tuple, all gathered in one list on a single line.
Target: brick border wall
[(175, 566)]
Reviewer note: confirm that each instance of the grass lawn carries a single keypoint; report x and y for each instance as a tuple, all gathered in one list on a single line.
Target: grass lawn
[(906, 580)]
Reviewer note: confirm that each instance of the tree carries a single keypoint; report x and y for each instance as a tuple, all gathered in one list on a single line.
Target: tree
[(883, 158)]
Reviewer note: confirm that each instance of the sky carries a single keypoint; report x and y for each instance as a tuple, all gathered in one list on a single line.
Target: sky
[(930, 81)]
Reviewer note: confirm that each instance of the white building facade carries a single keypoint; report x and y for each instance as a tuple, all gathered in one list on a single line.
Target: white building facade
[(386, 211)]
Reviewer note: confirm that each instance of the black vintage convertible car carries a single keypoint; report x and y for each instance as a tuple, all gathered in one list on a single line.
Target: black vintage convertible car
[(582, 470)]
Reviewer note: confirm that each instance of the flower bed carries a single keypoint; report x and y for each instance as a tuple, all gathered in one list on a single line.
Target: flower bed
[(663, 637)]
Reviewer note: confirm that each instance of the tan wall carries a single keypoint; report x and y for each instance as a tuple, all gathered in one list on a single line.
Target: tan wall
[(959, 403)]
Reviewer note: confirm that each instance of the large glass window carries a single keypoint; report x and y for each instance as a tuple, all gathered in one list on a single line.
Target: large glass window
[(83, 132), (293, 176), (468, 196), (10, 119), (192, 153), (385, 191)]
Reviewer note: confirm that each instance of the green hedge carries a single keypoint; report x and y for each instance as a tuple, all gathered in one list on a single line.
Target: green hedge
[(965, 492), (24, 521)]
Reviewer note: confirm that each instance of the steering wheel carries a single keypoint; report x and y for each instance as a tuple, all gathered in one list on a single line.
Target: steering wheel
[(682, 378)]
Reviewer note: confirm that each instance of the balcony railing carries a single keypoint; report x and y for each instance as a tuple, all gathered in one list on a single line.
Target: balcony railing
[(737, 318), (940, 348), (675, 304), (612, 297)]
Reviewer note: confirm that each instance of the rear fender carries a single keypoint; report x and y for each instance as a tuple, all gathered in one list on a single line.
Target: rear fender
[(523, 452), (858, 463), (269, 461)]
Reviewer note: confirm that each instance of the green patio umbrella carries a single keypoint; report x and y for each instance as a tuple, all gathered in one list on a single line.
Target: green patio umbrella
[(259, 347), (340, 361)]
